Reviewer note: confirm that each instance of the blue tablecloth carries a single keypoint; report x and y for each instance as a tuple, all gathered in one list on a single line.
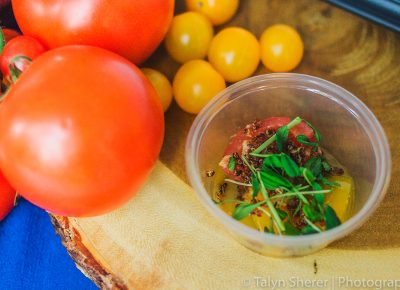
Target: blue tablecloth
[(32, 256)]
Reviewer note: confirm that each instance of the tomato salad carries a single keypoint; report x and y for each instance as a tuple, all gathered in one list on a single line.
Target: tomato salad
[(277, 178)]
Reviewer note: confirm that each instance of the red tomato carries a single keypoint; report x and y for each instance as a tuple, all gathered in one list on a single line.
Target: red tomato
[(272, 123), (131, 28), (7, 197), (10, 34), (20, 46), (80, 131)]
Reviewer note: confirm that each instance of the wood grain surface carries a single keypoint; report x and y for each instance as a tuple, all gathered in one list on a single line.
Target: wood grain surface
[(352, 52), (340, 47)]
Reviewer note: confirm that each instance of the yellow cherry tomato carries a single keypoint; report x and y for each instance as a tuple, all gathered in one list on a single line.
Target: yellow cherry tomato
[(195, 84), (281, 48), (218, 11), (235, 53), (161, 84), (189, 37)]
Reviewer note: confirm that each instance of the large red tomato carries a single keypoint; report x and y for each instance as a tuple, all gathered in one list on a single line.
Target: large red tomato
[(80, 131), (131, 28)]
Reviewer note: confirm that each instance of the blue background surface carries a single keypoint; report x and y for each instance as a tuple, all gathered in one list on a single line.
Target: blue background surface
[(32, 256)]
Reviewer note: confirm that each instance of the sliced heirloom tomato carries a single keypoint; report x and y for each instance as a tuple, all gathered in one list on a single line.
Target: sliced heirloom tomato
[(238, 140), (272, 123)]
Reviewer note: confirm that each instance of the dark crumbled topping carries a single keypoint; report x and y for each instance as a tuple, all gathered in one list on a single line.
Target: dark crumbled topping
[(210, 173), (337, 171)]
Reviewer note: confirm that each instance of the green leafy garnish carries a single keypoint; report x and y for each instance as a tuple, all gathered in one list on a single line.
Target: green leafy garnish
[(308, 175), (312, 214), (282, 214), (273, 180), (331, 219), (314, 165), (304, 140), (317, 135), (256, 185), (264, 145), (2, 40), (308, 230), (231, 165), (244, 209), (291, 230), (289, 166), (327, 167), (282, 135), (273, 161), (327, 182)]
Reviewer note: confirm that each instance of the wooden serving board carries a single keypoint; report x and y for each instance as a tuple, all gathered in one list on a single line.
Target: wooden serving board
[(165, 239)]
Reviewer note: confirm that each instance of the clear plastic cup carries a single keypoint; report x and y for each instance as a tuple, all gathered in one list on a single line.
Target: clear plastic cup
[(350, 132)]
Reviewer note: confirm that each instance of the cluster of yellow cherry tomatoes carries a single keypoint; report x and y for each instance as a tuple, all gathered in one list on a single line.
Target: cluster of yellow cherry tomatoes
[(233, 53)]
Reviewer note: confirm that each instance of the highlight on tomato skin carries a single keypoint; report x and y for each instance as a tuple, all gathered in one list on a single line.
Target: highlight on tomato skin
[(91, 148)]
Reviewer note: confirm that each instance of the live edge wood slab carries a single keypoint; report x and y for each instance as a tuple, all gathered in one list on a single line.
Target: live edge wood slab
[(362, 57)]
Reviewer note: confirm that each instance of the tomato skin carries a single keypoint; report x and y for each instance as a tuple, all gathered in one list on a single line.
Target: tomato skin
[(10, 34), (281, 48), (20, 46), (161, 84), (218, 11), (189, 37), (235, 53), (131, 28), (7, 197), (80, 142), (195, 84)]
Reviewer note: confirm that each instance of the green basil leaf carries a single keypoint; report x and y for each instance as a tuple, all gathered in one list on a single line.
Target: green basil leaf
[(281, 213), (330, 183), (2, 40), (272, 180), (281, 137), (331, 219), (231, 165), (327, 167), (291, 230), (304, 140), (312, 214), (308, 175), (273, 161), (317, 135), (256, 185), (315, 166), (243, 210), (289, 166), (316, 186), (308, 230)]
